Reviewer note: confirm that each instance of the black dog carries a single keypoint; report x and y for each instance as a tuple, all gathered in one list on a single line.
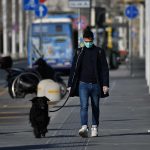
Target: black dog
[(39, 116)]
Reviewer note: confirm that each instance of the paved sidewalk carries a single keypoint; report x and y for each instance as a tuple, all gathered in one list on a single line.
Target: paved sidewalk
[(124, 122)]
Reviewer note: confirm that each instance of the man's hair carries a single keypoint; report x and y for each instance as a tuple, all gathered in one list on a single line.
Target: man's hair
[(88, 33)]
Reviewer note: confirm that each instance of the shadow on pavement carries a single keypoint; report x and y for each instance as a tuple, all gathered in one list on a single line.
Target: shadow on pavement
[(49, 146), (125, 134)]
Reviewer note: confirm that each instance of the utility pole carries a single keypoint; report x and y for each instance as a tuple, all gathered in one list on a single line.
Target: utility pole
[(141, 36), (27, 23), (79, 26), (93, 5), (90, 12), (20, 29), (147, 44), (131, 47), (13, 28), (5, 35)]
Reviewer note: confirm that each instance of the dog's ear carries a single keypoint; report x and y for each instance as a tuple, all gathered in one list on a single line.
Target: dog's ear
[(33, 99), (45, 98)]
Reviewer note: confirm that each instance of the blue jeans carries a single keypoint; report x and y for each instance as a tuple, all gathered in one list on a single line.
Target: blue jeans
[(87, 90)]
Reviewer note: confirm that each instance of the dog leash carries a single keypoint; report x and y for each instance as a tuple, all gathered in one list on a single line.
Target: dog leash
[(62, 105)]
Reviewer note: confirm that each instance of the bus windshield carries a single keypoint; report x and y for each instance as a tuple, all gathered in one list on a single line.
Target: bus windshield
[(53, 41)]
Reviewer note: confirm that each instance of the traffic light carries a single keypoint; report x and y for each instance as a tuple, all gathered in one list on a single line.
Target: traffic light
[(100, 16)]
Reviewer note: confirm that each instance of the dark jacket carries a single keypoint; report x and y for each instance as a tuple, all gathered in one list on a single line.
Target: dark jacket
[(101, 69)]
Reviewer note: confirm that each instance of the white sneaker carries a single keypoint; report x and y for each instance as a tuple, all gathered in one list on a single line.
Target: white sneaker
[(94, 131), (83, 132)]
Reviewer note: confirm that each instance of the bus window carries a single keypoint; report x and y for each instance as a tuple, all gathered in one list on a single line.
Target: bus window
[(54, 41), (58, 28), (60, 40)]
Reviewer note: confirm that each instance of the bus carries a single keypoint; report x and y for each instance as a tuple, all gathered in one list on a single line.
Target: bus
[(52, 39)]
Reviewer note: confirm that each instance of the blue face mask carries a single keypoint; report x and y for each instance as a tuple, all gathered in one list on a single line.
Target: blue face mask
[(88, 44)]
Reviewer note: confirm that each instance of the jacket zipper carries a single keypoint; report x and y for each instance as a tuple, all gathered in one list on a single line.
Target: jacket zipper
[(76, 65), (97, 79)]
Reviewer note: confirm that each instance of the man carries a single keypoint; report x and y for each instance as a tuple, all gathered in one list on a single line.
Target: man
[(89, 77)]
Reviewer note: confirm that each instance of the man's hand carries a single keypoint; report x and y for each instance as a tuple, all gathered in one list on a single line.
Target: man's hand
[(105, 89)]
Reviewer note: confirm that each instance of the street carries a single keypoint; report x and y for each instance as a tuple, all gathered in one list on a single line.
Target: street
[(124, 120), (75, 36)]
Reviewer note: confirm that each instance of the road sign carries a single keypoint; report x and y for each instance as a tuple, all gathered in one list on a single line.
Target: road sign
[(131, 12), (30, 4), (79, 3), (41, 10), (83, 22)]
